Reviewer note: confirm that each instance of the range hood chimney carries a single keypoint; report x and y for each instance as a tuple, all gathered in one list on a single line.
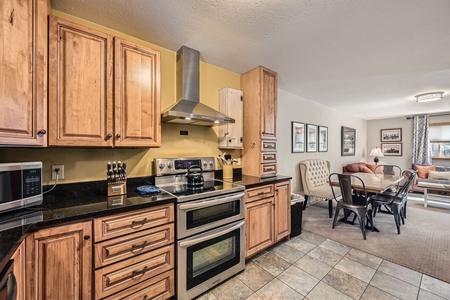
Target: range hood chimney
[(189, 110)]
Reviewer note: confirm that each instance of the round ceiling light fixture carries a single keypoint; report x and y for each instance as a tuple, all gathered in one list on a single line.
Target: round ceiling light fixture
[(427, 97)]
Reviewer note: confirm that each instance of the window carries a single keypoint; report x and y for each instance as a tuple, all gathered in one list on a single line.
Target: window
[(440, 140)]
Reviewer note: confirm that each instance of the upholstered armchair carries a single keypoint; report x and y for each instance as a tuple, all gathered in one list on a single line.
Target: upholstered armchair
[(314, 175)]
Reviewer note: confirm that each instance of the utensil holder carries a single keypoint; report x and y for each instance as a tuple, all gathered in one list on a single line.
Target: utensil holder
[(227, 172), (117, 188)]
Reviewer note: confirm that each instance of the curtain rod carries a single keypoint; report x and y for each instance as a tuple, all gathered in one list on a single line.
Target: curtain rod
[(431, 115)]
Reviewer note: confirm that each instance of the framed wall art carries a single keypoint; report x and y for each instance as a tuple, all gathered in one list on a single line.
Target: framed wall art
[(323, 139), (391, 149), (298, 137), (391, 135), (311, 138), (348, 141)]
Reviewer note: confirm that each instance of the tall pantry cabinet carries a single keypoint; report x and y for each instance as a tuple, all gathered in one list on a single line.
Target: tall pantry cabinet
[(23, 69), (259, 157)]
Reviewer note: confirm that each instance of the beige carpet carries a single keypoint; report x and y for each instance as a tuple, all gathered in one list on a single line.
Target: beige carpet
[(423, 245)]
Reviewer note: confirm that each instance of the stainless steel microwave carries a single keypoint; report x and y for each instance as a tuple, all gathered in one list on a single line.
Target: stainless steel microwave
[(20, 185)]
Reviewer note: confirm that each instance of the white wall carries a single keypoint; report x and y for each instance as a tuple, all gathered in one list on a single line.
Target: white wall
[(404, 161), (295, 108)]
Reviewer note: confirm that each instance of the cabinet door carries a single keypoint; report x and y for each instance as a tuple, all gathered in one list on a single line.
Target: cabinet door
[(80, 85), (259, 226), (268, 103), (282, 210), (19, 270), (230, 104), (23, 59), (62, 262), (137, 95)]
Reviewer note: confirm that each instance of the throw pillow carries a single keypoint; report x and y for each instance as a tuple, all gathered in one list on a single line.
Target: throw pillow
[(439, 175), (422, 171), (364, 169), (353, 167), (372, 168)]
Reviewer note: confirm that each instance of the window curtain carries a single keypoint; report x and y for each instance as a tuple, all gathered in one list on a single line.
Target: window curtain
[(421, 141)]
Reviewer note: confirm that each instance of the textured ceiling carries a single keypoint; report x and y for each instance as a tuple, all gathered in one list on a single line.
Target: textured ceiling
[(368, 58)]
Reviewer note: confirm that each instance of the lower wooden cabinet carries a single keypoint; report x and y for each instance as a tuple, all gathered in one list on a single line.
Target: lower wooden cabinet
[(59, 262), (267, 216), (19, 271)]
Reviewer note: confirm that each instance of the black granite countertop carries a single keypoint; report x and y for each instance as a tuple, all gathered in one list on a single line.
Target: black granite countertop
[(253, 181), (70, 202)]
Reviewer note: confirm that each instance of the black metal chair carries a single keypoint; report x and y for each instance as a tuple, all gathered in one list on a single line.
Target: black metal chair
[(352, 200), (395, 201)]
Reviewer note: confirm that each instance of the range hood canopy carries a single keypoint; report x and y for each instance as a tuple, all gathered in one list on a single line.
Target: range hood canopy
[(189, 110)]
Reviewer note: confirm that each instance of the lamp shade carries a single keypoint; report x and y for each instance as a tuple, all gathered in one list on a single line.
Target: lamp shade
[(376, 152)]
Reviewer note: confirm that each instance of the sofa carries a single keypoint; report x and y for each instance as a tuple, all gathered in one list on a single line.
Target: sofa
[(359, 167), (433, 173)]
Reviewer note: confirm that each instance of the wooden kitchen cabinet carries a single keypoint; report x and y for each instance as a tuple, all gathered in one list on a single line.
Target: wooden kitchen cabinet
[(20, 271), (135, 254), (23, 68), (282, 210), (267, 216), (59, 260), (259, 87), (82, 109), (231, 104)]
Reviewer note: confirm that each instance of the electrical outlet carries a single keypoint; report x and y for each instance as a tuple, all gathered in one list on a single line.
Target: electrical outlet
[(238, 161), (61, 172)]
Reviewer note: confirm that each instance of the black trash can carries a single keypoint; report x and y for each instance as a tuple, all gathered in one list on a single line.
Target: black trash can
[(296, 214)]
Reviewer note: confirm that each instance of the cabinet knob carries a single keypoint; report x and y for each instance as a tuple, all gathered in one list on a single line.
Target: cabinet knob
[(42, 132), (108, 136), (117, 136), (86, 237)]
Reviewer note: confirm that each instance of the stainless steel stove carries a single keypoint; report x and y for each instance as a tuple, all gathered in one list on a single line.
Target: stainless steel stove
[(210, 223)]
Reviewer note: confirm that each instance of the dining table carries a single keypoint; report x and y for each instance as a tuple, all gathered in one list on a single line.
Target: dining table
[(374, 183)]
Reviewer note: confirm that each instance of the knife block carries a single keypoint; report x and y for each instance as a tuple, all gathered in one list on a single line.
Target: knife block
[(117, 188)]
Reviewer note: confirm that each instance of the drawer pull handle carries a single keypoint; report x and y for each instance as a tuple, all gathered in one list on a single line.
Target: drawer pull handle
[(138, 223), (261, 193), (139, 273), (140, 247)]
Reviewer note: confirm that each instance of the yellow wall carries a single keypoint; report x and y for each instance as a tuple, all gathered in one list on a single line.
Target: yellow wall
[(87, 164)]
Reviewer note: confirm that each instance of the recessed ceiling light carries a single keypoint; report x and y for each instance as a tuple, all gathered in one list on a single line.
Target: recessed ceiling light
[(434, 96)]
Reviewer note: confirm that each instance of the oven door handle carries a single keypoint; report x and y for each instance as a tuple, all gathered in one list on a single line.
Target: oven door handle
[(201, 204), (189, 243)]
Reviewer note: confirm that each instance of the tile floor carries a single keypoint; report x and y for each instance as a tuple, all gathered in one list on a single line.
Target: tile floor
[(312, 267)]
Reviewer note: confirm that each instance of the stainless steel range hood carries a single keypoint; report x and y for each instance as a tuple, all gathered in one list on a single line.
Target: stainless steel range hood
[(189, 110)]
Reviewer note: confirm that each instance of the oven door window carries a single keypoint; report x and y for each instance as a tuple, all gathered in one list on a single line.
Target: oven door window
[(211, 214), (212, 257)]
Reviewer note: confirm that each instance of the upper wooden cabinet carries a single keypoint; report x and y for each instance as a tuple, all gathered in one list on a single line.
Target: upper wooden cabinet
[(82, 109), (23, 65), (259, 87), (230, 104), (137, 95)]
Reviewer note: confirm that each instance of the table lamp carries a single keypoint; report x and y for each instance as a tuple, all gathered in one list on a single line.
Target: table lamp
[(376, 152)]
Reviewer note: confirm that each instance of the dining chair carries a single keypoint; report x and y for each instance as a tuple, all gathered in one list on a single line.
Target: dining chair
[(352, 201), (388, 170), (395, 201)]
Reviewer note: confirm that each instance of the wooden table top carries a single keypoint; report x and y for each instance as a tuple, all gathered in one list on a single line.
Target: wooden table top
[(375, 183)]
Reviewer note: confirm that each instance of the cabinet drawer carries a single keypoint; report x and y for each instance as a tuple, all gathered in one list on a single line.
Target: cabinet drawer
[(159, 287), (268, 145), (130, 222), (124, 274), (268, 169), (260, 193), (120, 248), (268, 158)]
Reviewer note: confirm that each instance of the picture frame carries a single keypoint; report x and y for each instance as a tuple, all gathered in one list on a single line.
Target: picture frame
[(298, 137), (348, 141), (391, 135), (392, 149), (311, 138), (323, 139)]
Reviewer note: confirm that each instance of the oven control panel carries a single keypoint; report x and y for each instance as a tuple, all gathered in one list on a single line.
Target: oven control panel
[(167, 166)]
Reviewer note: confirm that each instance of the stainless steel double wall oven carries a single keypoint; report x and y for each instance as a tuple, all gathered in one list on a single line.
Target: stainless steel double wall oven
[(210, 223)]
